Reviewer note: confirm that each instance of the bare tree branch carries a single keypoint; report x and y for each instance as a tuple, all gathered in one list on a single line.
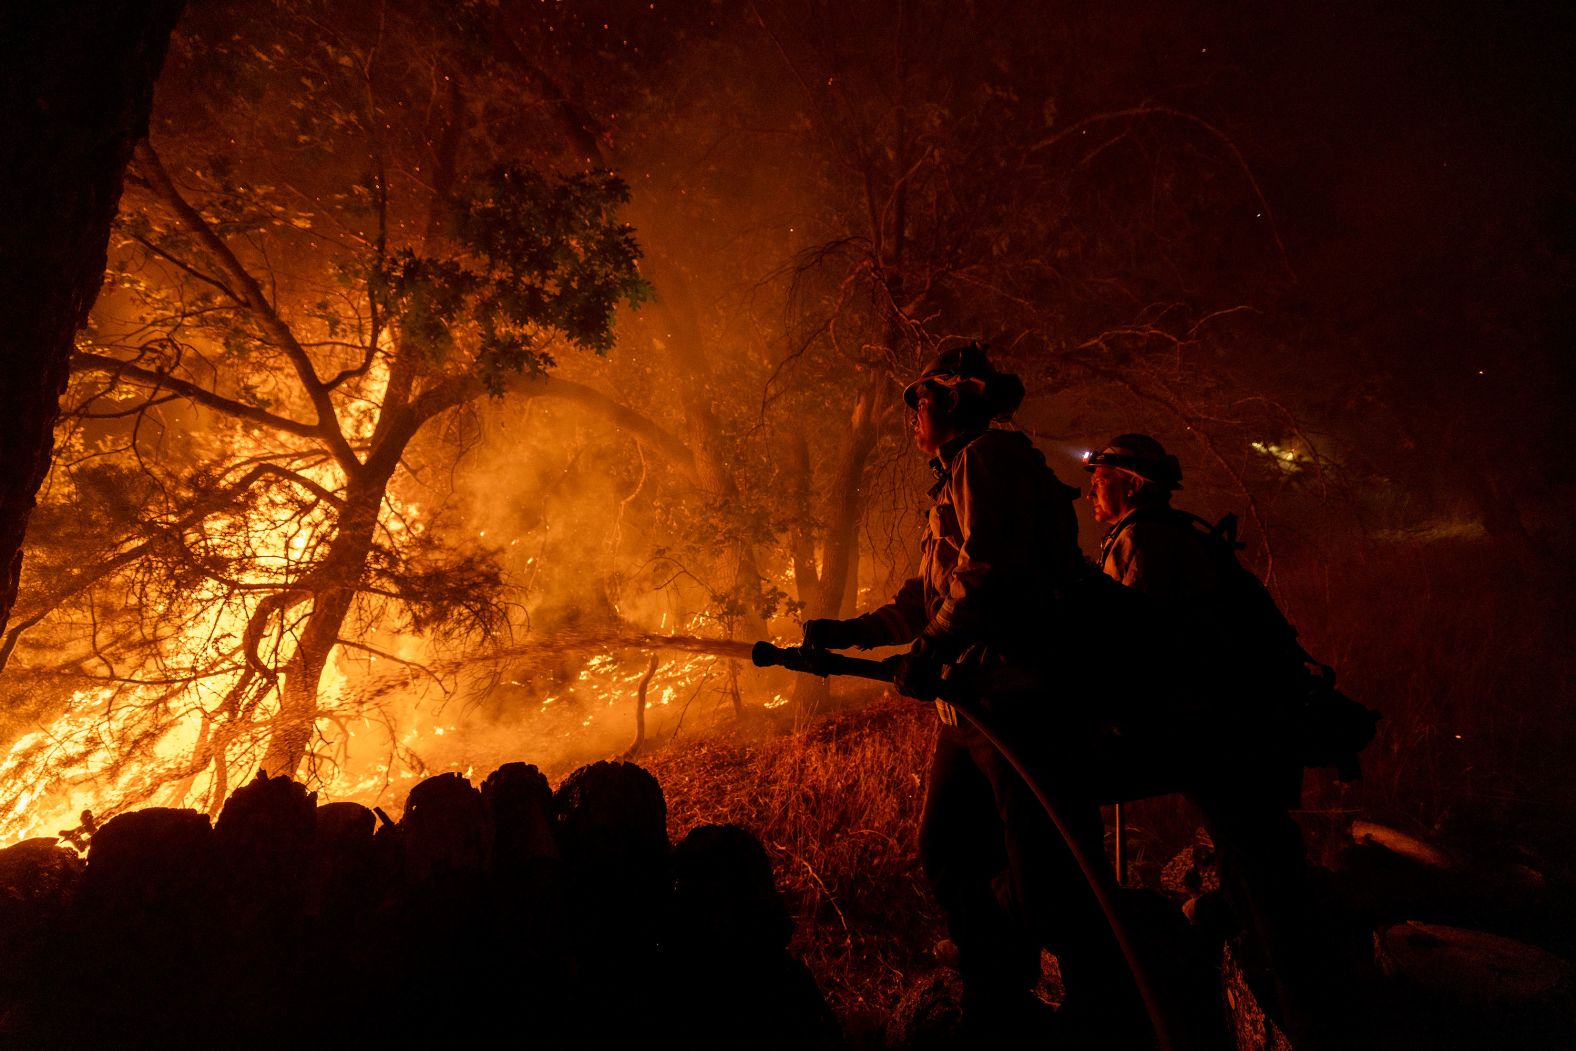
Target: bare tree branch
[(252, 295), (217, 501), (155, 380)]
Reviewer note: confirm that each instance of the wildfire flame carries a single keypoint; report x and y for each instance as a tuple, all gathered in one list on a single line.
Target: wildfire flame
[(380, 728), (179, 729)]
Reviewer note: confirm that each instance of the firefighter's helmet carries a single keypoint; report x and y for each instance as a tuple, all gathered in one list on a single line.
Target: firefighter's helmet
[(1140, 455), (968, 369)]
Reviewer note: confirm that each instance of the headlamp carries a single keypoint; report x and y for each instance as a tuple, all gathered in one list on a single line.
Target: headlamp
[(1129, 463)]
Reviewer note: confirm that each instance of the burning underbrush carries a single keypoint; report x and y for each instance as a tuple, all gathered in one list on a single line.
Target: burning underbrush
[(563, 916), (790, 914), (385, 720)]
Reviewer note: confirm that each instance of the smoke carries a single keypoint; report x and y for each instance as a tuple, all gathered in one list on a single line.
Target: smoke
[(818, 203)]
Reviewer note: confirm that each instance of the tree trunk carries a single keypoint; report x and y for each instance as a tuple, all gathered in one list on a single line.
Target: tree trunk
[(840, 549), (846, 502), (806, 577), (640, 708), (341, 574), (293, 726), (76, 86)]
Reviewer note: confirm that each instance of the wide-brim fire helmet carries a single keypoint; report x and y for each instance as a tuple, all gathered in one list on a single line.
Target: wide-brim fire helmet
[(1139, 455), (968, 371)]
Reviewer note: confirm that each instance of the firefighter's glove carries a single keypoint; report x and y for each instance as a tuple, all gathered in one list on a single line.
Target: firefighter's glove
[(918, 673), (832, 634)]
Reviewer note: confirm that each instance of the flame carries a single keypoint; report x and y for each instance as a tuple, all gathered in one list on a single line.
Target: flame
[(150, 739), (378, 731), (385, 718)]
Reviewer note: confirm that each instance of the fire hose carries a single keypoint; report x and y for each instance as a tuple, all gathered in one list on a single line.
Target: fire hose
[(822, 663)]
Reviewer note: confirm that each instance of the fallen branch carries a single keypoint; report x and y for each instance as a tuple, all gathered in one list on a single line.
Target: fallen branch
[(640, 708)]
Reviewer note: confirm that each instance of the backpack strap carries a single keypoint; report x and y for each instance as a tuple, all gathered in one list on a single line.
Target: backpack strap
[(1164, 514), (1219, 538), (1223, 532)]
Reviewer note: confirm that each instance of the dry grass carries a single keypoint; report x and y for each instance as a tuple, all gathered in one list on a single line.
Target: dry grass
[(1470, 664), (837, 804)]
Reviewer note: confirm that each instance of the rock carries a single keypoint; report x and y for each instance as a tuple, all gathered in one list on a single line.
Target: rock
[(1463, 989), (729, 934), (38, 879), (264, 839), (150, 862), (611, 810), (269, 810), (344, 874), (348, 937), (724, 897), (612, 829), (530, 944), (444, 828), (1379, 886), (343, 823), (264, 846), (290, 921), (36, 874), (145, 935), (519, 805), (1388, 876)]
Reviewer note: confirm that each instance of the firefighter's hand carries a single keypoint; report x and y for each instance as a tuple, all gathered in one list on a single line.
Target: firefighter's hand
[(918, 673), (831, 634)]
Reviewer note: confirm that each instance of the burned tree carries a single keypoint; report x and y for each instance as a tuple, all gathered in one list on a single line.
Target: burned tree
[(260, 379), (536, 262)]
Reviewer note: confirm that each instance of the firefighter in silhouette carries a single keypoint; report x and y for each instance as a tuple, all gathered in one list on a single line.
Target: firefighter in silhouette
[(1245, 790), (1000, 549)]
